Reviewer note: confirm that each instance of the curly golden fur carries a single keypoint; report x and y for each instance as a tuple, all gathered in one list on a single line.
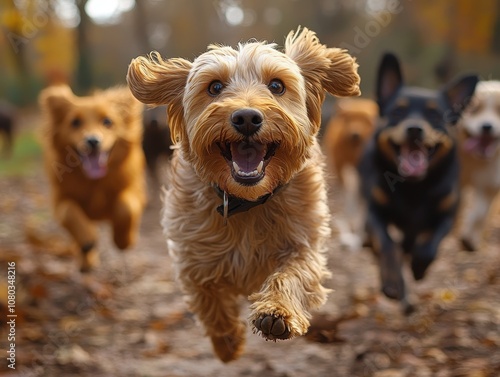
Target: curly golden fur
[(274, 252)]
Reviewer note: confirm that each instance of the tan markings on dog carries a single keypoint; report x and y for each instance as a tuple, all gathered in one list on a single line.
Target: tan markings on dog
[(431, 104), (402, 102), (448, 201), (379, 195), (273, 253), (423, 237), (432, 138), (384, 145)]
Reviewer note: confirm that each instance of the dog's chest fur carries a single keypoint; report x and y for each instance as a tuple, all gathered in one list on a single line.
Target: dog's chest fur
[(242, 253), (483, 173)]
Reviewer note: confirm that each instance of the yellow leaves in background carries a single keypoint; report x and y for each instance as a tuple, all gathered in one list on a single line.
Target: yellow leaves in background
[(56, 48), (467, 25)]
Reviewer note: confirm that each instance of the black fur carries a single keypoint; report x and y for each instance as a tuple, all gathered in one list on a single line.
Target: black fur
[(156, 140)]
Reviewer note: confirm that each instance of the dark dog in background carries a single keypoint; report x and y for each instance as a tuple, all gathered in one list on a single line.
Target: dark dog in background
[(156, 140), (7, 118), (410, 173)]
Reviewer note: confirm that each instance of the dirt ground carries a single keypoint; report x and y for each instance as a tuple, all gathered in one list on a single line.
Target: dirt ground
[(127, 318)]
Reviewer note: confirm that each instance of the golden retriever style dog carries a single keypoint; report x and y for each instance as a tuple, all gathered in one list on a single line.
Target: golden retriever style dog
[(347, 132), (95, 164), (480, 159), (246, 212)]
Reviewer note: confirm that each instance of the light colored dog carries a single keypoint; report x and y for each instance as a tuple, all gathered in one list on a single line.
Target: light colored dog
[(480, 159), (245, 122), (347, 132), (95, 164)]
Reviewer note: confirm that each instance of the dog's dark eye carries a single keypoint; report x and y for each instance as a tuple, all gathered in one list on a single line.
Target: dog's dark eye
[(76, 122), (276, 87), (107, 122), (215, 88)]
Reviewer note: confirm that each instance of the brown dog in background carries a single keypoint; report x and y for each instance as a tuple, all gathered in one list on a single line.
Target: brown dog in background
[(246, 211), (95, 164), (347, 132)]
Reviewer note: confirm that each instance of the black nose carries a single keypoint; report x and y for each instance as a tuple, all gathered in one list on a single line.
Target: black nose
[(92, 141), (247, 121), (415, 132), (487, 128)]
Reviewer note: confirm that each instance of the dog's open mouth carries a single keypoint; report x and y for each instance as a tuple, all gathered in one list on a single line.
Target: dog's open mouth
[(247, 159), (483, 146), (413, 158), (95, 163)]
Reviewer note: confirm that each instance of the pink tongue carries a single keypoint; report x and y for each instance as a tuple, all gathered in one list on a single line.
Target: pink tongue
[(248, 155), (484, 147), (95, 165), (413, 162)]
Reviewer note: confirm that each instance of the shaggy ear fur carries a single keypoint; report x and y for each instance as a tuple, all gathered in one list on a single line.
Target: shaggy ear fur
[(155, 81), (55, 100), (324, 69)]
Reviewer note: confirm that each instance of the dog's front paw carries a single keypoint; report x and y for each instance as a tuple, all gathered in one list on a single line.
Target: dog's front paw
[(272, 327)]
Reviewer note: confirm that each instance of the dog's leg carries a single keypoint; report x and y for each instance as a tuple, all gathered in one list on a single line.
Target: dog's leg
[(350, 224), (474, 219), (427, 245), (219, 312), (71, 216), (280, 310), (126, 219), (390, 258)]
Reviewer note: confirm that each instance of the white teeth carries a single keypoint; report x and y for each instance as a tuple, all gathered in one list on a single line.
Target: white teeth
[(254, 173), (259, 168), (249, 174)]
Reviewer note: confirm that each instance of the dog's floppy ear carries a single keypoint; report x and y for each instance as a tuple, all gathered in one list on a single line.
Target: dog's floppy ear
[(55, 100), (324, 69), (155, 81), (458, 94), (389, 80)]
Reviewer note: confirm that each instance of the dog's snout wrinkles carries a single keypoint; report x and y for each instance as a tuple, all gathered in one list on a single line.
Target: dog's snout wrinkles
[(247, 121)]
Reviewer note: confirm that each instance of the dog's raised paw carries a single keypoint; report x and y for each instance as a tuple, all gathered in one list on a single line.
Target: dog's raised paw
[(272, 327)]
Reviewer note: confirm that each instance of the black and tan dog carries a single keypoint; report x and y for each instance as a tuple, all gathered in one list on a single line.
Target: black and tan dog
[(410, 173)]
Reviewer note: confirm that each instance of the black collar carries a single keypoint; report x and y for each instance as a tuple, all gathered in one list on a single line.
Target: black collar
[(237, 205)]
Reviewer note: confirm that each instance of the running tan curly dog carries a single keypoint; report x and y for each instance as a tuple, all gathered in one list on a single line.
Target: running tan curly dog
[(246, 212)]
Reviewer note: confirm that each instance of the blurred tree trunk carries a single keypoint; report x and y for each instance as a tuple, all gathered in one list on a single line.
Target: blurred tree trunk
[(84, 69), (141, 26), (18, 40)]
